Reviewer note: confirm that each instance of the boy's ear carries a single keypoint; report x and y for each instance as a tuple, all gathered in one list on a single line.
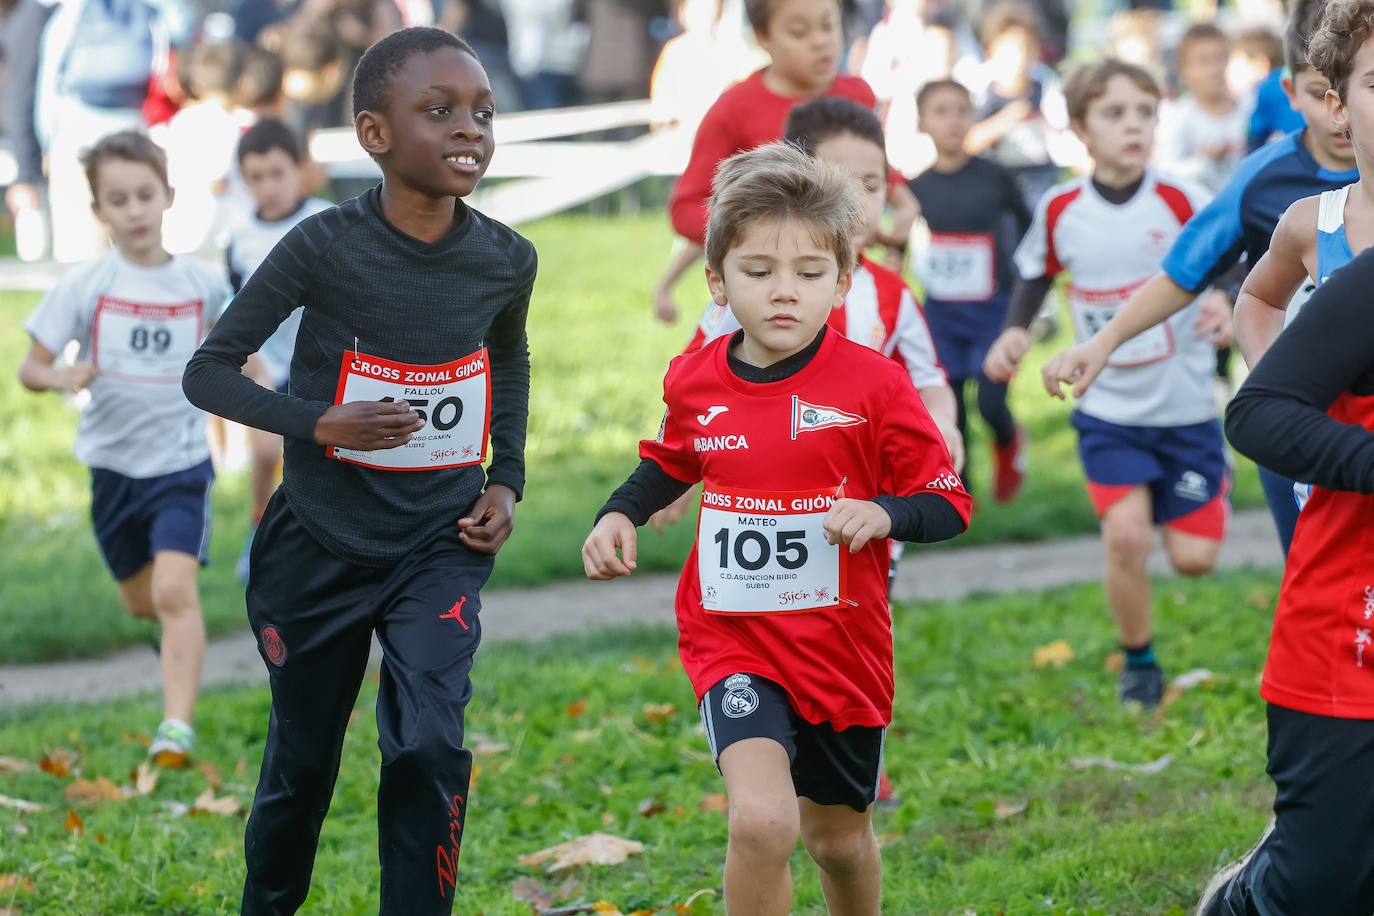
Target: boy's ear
[(171, 195), (1335, 109), (842, 288), (717, 285), (373, 132), (1286, 84)]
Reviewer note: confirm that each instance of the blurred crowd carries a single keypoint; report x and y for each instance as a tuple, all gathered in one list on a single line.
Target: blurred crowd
[(196, 77)]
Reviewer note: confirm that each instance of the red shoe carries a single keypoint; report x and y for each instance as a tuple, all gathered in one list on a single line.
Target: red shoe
[(1009, 467), (885, 795)]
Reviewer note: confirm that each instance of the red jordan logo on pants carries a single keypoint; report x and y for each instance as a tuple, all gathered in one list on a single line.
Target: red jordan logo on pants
[(456, 613)]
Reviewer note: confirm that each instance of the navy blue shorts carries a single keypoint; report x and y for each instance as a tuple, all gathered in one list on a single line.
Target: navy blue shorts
[(829, 767), (963, 333), (136, 517), (1183, 466)]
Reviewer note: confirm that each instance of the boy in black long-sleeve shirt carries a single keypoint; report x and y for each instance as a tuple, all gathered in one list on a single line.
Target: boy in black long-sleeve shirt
[(411, 353)]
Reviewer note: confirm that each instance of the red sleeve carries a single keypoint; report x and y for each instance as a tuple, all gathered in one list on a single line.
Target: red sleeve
[(716, 140), (672, 450), (914, 453)]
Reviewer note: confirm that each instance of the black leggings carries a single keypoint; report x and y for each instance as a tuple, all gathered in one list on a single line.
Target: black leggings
[(992, 405)]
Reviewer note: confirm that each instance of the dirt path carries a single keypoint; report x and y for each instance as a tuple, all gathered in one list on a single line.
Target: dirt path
[(533, 613)]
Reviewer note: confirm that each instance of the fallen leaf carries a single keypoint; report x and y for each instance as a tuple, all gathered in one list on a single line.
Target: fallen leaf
[(529, 801), (210, 773), (528, 890), (15, 765), (1057, 654), (715, 801), (206, 801), (1154, 766), (1115, 663), (19, 829), (11, 911), (652, 805), (607, 819), (176, 808), (90, 791), (658, 713), (58, 761), (1006, 809), (482, 746), (75, 823), (137, 738), (591, 849), (610, 909), (171, 760), (9, 883), (578, 708), (19, 804), (145, 778), (241, 768)]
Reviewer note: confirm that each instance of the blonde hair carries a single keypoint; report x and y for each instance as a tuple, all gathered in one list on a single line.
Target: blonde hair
[(1344, 27), (779, 182)]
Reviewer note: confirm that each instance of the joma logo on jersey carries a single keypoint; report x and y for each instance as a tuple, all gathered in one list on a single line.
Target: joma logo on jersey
[(719, 443)]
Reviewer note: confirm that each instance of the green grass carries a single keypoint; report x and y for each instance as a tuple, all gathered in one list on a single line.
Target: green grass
[(598, 360), (977, 724)]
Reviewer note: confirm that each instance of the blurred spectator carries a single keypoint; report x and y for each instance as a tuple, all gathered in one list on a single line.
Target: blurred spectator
[(620, 51), (1022, 117), (315, 66), (1135, 39), (482, 25), (252, 17), (260, 87), (547, 46), (20, 43), (707, 57), (1272, 114), (200, 141), (1202, 132), (902, 54)]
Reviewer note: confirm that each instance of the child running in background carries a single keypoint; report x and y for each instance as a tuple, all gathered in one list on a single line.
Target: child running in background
[(813, 450), (137, 314), (976, 218), (803, 40), (1240, 220), (269, 159), (386, 521), (1148, 436), (1202, 132)]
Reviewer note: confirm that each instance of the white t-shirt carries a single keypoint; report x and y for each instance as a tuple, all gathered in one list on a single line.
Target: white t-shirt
[(1188, 132), (139, 327), (249, 240), (1162, 376)]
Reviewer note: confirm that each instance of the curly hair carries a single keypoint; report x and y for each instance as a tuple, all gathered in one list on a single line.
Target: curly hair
[(1343, 29)]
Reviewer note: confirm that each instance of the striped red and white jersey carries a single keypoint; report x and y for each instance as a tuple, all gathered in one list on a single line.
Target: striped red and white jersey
[(1162, 376)]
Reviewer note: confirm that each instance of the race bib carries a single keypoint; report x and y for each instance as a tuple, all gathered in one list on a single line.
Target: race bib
[(766, 553), (454, 400), (137, 342), (959, 267), (1093, 309)]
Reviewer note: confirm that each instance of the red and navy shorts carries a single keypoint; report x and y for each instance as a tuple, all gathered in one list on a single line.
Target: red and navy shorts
[(1184, 468)]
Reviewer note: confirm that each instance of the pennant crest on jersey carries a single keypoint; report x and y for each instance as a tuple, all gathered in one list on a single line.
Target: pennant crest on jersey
[(807, 417)]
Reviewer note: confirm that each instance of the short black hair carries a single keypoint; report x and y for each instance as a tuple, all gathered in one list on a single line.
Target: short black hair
[(266, 135), (261, 81), (934, 86), (380, 63), (812, 123)]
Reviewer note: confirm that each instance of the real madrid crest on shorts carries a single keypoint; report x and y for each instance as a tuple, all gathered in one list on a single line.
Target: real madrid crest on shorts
[(739, 699)]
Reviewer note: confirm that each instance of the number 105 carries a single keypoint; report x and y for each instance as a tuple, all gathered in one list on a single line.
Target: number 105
[(789, 548)]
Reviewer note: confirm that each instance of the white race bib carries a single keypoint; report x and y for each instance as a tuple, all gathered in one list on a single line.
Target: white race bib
[(959, 267), (138, 342), (766, 553), (454, 399), (1092, 309)]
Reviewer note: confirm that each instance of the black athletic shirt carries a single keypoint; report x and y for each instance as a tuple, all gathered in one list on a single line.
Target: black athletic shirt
[(1307, 409), (921, 517), (364, 284), (982, 198)]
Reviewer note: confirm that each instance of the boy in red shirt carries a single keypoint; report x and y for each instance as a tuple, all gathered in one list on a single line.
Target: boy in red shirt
[(813, 450), (803, 39)]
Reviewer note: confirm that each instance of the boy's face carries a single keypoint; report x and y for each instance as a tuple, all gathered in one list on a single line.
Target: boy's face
[(274, 179), (1355, 113), (130, 199), (435, 134), (1307, 94), (1118, 129), (867, 162), (804, 42), (781, 282), (1011, 55), (947, 116), (1203, 69)]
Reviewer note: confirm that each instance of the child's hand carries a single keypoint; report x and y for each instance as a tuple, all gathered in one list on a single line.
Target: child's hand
[(670, 514), (368, 425), (614, 530), (855, 522), (75, 377), (1079, 365), (1005, 354), (1214, 319), (491, 520), (665, 309)]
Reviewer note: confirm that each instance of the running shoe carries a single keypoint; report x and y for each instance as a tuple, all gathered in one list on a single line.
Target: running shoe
[(1143, 685), (174, 737), (1216, 888), (1009, 467)]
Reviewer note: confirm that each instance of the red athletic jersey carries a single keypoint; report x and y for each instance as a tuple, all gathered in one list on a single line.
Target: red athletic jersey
[(849, 423), (746, 115), (1321, 660)]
